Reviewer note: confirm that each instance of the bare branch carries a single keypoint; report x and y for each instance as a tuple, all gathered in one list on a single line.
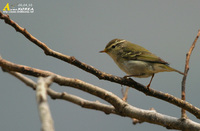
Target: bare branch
[(68, 97), (24, 79), (64, 81), (136, 121), (183, 113), (78, 84), (141, 115), (43, 107)]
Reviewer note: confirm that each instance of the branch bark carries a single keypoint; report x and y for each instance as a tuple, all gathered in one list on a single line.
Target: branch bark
[(76, 84), (183, 112), (43, 107), (95, 105), (150, 116)]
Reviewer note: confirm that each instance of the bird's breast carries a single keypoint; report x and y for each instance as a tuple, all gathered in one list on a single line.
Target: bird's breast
[(136, 68)]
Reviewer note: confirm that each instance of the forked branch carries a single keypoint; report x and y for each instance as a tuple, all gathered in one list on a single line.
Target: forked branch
[(183, 113)]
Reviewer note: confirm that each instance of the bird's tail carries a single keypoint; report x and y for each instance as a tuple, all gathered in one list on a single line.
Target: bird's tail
[(177, 71), (163, 68)]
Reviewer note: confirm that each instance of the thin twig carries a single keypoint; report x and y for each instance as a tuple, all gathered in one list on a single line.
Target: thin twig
[(125, 93), (183, 112)]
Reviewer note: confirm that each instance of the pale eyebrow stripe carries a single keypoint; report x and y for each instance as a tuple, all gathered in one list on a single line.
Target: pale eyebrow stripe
[(120, 41)]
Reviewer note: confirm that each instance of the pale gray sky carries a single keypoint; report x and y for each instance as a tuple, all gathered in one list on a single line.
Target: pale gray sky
[(81, 29)]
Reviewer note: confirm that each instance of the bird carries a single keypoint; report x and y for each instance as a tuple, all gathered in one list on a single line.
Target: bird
[(135, 60)]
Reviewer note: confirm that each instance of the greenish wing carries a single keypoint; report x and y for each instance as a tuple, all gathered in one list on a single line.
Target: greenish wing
[(143, 56)]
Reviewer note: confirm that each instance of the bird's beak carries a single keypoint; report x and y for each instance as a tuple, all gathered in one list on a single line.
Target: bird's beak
[(103, 51)]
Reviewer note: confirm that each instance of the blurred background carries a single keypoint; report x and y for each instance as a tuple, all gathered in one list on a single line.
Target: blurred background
[(82, 29)]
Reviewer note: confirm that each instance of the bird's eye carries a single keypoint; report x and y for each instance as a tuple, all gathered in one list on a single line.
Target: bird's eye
[(113, 46)]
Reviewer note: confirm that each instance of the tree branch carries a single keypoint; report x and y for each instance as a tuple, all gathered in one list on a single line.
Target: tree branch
[(129, 111), (76, 84), (101, 75), (95, 105), (183, 113), (43, 107)]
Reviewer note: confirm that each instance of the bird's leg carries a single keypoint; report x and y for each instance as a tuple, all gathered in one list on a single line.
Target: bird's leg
[(148, 86), (150, 82)]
